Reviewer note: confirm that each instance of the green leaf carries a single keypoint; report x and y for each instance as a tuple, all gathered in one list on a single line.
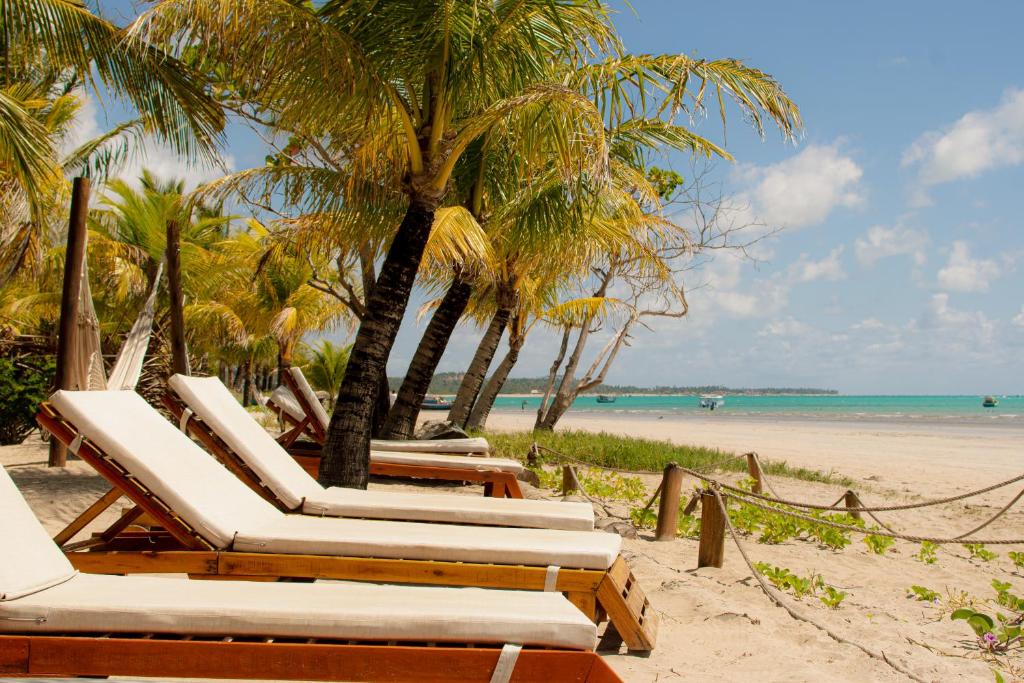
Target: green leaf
[(962, 613)]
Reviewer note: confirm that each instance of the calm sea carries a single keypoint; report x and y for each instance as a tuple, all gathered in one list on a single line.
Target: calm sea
[(869, 408)]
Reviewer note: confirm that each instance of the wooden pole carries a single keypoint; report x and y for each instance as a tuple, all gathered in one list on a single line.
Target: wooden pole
[(74, 264), (754, 467), (668, 506), (852, 503), (179, 352), (692, 505), (568, 480), (711, 551)]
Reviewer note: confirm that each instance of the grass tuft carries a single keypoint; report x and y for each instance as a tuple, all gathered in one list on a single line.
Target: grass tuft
[(649, 455)]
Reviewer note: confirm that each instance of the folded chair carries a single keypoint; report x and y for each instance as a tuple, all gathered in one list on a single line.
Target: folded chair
[(204, 522), (57, 622), (207, 410), (440, 459)]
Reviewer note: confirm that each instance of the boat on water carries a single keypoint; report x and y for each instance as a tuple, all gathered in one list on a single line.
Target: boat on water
[(711, 401), (989, 402), (435, 403), (605, 398)]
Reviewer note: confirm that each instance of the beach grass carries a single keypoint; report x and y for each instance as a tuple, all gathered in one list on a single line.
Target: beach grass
[(647, 455)]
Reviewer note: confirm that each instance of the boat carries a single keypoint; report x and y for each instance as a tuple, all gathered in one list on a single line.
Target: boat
[(711, 402), (605, 398), (435, 403), (989, 402)]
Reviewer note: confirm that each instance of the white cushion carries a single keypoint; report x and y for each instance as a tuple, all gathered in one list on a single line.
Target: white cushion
[(219, 409), (205, 494), (476, 444), (284, 399), (222, 412), (137, 604), (469, 462), (30, 560), (306, 391), (440, 507), (305, 535)]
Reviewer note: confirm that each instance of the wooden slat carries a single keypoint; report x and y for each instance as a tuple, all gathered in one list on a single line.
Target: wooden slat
[(637, 626), (163, 658), (180, 562), (91, 513)]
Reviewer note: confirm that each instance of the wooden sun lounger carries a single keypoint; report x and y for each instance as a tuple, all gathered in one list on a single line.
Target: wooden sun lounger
[(184, 656), (151, 538), (496, 483)]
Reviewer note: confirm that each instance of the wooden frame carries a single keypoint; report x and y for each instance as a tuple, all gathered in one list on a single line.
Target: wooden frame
[(184, 656), (497, 484), (168, 544)]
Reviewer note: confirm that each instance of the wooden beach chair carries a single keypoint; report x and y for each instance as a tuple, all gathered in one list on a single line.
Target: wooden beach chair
[(202, 521), (57, 622), (439, 459), (206, 409)]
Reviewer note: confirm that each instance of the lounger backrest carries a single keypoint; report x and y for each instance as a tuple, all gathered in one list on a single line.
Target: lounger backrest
[(213, 403), (31, 561), (302, 385), (194, 485), (284, 399)]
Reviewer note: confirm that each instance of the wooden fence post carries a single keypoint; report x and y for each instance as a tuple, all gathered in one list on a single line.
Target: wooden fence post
[(754, 467), (74, 264), (711, 551), (568, 480), (668, 505), (179, 351), (852, 504), (692, 505)]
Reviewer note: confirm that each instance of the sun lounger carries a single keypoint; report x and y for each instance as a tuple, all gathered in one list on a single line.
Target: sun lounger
[(57, 622), (203, 521), (297, 404), (441, 459), (229, 432)]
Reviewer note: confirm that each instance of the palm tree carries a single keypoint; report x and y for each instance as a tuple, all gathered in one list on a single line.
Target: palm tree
[(325, 367), (417, 84)]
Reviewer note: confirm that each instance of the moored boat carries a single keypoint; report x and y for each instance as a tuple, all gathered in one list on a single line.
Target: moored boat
[(989, 402), (435, 403), (605, 398), (711, 402)]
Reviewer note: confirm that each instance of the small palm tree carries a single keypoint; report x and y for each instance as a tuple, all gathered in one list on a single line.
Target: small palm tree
[(325, 367)]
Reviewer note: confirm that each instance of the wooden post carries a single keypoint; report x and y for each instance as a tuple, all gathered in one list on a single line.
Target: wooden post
[(692, 505), (754, 467), (568, 480), (711, 551), (179, 352), (668, 506), (853, 504), (74, 264)]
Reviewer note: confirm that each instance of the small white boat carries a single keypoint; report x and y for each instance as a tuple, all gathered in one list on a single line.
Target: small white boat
[(711, 402)]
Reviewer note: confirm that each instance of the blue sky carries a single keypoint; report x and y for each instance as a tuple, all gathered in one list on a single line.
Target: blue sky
[(900, 265)]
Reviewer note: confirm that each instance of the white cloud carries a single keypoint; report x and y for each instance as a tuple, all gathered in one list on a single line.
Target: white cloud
[(882, 242), (788, 327), (724, 290), (965, 274), (828, 268), (802, 190), (960, 329), (980, 140), (160, 159), (869, 324), (1018, 319)]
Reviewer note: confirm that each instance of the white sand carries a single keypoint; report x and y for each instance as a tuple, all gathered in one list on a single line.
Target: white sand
[(715, 623)]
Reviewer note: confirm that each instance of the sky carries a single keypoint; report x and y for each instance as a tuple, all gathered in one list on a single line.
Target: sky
[(898, 266)]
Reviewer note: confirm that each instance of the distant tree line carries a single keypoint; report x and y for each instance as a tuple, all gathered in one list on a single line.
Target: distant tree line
[(449, 382)]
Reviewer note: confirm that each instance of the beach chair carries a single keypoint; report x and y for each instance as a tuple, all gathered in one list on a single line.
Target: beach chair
[(57, 622), (206, 409), (203, 521), (438, 459)]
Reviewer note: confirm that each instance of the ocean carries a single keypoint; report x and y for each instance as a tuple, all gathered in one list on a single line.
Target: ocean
[(947, 409)]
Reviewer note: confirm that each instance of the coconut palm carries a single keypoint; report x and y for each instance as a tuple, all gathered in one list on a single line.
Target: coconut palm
[(416, 83), (324, 366)]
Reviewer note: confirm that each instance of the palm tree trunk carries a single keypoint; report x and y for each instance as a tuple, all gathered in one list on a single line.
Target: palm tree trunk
[(346, 453), (478, 418), (381, 406), (402, 417), (474, 377)]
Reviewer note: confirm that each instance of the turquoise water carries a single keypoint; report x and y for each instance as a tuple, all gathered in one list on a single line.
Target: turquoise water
[(835, 407)]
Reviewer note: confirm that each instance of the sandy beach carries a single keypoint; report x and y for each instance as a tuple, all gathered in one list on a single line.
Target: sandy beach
[(716, 623)]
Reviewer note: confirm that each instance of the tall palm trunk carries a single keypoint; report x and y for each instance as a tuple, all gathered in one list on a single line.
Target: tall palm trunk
[(474, 377), (346, 453), (381, 406), (478, 418), (402, 417)]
